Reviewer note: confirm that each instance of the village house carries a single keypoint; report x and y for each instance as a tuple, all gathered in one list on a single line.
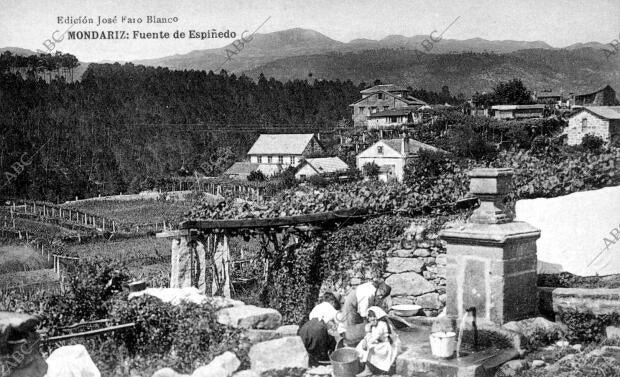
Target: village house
[(397, 117), (518, 111), (552, 98), (602, 121), (602, 97), (391, 155), (284, 149), (272, 153), (381, 98), (320, 166), (240, 170)]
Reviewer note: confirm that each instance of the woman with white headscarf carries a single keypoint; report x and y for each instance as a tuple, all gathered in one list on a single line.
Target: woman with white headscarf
[(381, 344)]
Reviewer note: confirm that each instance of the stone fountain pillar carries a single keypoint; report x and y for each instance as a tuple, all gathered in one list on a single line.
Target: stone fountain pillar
[(492, 259)]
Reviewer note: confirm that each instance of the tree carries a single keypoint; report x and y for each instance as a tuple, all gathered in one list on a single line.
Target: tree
[(371, 170), (512, 92)]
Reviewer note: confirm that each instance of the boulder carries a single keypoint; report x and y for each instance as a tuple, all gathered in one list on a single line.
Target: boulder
[(398, 265), (537, 328), (288, 330), (168, 372), (612, 332), (247, 373), (71, 361), (250, 317), (429, 301), (208, 371), (288, 352), (538, 364), (219, 302), (227, 361), (409, 284), (511, 368)]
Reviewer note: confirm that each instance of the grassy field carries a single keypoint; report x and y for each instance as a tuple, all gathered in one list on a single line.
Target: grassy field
[(21, 258)]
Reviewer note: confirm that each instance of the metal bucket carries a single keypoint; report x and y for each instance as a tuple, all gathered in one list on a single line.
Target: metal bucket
[(345, 362)]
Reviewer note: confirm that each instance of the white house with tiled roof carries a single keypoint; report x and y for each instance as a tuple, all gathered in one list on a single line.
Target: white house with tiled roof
[(284, 149), (381, 98), (602, 121), (320, 166), (391, 155)]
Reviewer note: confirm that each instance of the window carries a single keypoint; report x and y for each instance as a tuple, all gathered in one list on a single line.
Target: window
[(380, 149), (280, 159), (361, 109), (380, 95), (385, 107), (373, 109), (393, 119), (584, 124), (269, 159)]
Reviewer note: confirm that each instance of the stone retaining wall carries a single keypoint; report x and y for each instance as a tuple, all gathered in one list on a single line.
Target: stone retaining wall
[(415, 269)]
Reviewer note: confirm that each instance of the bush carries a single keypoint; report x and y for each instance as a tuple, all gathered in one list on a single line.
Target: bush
[(371, 170), (592, 143), (318, 181), (188, 334), (587, 327), (256, 176)]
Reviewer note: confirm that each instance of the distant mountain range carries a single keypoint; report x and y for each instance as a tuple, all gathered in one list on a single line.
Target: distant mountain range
[(465, 66), (268, 47)]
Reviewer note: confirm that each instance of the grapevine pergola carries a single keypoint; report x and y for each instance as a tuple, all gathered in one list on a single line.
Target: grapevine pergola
[(199, 241)]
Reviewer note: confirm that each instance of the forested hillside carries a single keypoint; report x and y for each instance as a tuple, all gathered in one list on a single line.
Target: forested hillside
[(465, 72), (123, 125)]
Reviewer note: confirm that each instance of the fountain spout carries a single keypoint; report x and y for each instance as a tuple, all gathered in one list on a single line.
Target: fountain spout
[(472, 311)]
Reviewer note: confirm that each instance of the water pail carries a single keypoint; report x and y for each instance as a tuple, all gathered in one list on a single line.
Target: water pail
[(345, 362), (443, 344)]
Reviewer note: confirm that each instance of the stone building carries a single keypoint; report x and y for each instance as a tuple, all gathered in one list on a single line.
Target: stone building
[(601, 97), (382, 98), (602, 121)]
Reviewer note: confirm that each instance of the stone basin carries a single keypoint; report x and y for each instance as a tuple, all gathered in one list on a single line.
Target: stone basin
[(417, 359)]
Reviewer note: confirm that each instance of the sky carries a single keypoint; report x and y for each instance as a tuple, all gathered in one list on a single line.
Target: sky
[(29, 23)]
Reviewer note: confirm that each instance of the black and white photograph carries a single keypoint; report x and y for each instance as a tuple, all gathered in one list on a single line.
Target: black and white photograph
[(293, 188)]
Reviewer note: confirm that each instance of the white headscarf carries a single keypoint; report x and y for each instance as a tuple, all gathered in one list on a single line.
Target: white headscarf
[(379, 313), (324, 311)]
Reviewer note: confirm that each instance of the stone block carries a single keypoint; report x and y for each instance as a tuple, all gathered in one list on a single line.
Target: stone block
[(419, 252), (403, 300), (257, 335), (403, 253), (250, 317), (441, 260), (596, 301), (409, 284), (429, 301), (398, 265), (288, 352), (168, 372), (247, 373)]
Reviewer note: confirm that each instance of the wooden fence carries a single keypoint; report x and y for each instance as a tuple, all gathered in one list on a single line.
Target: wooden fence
[(76, 219)]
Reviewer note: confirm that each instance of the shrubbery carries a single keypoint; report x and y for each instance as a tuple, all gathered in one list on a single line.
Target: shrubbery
[(587, 327), (188, 334)]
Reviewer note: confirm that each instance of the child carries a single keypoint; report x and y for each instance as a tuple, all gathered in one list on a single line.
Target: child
[(381, 344)]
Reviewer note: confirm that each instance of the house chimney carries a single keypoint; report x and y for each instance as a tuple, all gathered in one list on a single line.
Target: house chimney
[(404, 143)]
